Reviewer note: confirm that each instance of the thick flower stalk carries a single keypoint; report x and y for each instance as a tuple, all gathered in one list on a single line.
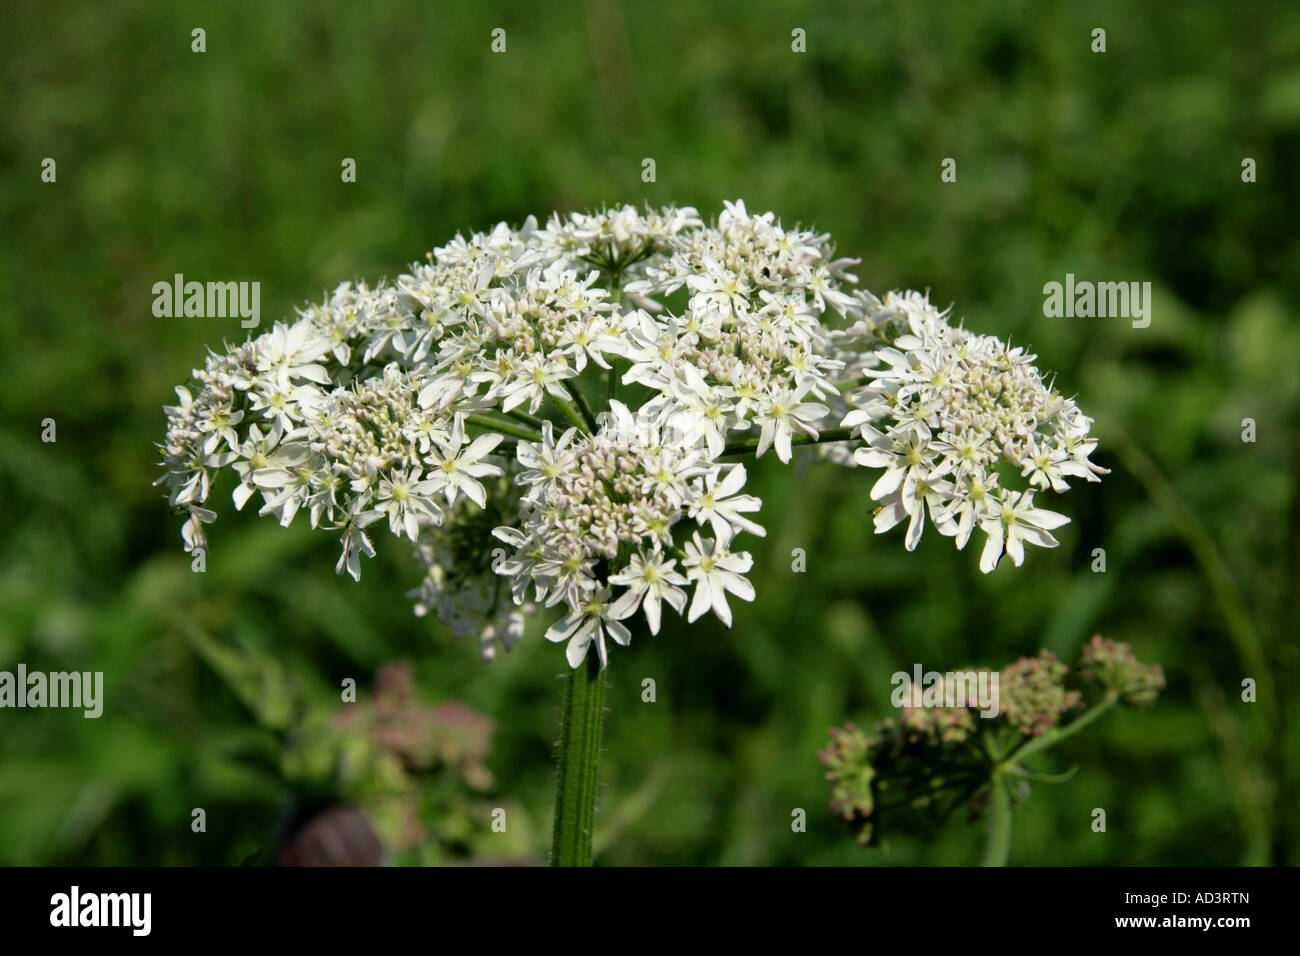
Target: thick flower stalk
[(553, 417)]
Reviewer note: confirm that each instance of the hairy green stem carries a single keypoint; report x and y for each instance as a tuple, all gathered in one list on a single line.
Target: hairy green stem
[(576, 777)]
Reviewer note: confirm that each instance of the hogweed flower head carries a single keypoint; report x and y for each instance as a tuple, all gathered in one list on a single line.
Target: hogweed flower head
[(849, 771), (1033, 698), (1113, 666), (551, 415)]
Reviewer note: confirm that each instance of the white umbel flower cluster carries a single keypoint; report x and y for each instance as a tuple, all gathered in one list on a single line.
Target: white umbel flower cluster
[(946, 413), (554, 416)]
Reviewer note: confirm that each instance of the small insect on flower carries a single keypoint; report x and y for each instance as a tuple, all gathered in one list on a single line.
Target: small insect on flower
[(480, 406)]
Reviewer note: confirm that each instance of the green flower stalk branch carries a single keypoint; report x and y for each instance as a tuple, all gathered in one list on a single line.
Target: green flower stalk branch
[(548, 415), (944, 755)]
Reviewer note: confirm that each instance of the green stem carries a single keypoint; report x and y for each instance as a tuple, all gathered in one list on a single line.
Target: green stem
[(527, 419), (1043, 777), (583, 407), (999, 844), (751, 444), (1039, 744), (505, 428), (588, 427), (611, 376), (1215, 567), (575, 786)]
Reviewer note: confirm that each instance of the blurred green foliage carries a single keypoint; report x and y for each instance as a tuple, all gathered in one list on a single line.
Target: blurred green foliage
[(226, 165)]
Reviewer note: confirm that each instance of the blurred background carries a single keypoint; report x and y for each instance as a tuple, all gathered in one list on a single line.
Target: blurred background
[(222, 689)]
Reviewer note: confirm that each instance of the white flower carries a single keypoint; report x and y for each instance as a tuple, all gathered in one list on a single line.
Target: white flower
[(291, 492), (586, 337), (701, 411), (1014, 521), (780, 413), (403, 499), (290, 352), (544, 461), (1046, 465), (284, 406), (455, 469), (355, 542), (595, 618), (919, 493), (903, 453), (650, 580), (716, 572), (219, 422), (192, 531), (719, 503), (540, 377), (969, 453), (970, 506)]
